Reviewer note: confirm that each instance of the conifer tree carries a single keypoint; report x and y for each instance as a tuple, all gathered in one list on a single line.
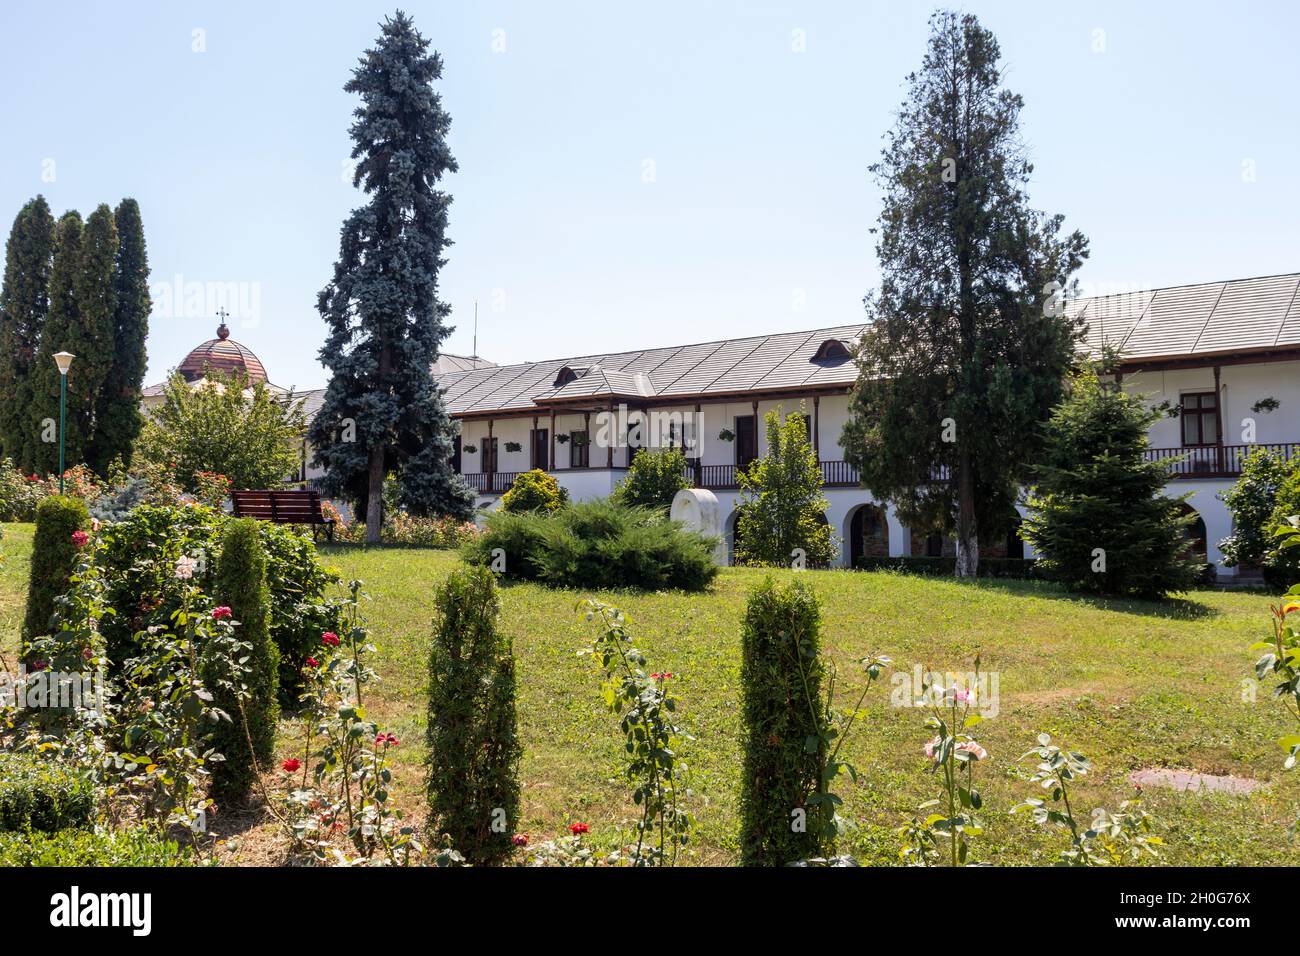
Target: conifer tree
[(1099, 519), (382, 412), (82, 304), (969, 344), (24, 306), (118, 419)]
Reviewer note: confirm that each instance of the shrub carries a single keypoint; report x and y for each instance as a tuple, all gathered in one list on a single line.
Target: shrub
[(410, 530), (784, 748), (1251, 501), (19, 493), (241, 588), (39, 794), (1099, 520), (137, 846), (472, 735), (534, 491), (140, 557), (782, 511), (597, 544), (654, 479), (54, 553), (919, 564), (1282, 565)]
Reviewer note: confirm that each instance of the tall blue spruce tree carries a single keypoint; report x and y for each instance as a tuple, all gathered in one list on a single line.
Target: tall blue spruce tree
[(382, 412)]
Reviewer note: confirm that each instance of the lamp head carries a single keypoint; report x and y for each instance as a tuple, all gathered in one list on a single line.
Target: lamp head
[(64, 361)]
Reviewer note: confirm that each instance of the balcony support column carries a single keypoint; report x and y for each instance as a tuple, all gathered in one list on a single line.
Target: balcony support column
[(1218, 419), (552, 461), (699, 444), (817, 427), (613, 434)]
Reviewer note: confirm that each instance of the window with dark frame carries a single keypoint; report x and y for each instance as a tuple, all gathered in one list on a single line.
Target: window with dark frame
[(579, 450), (541, 457), (746, 440), (1200, 416), (489, 454)]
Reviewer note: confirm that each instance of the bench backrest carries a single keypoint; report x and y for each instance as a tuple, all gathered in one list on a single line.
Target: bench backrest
[(282, 507)]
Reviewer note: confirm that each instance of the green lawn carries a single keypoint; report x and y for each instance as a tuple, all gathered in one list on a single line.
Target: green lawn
[(1131, 684)]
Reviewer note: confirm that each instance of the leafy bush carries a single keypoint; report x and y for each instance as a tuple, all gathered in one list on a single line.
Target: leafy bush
[(1253, 503), (241, 590), (653, 479), (598, 544), (54, 553), (229, 426), (1099, 519), (140, 557), (19, 493), (785, 750), (137, 846), (472, 733), (534, 491), (40, 794), (1282, 565), (782, 511)]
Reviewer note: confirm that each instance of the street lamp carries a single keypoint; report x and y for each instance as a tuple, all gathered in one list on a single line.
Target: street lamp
[(64, 361)]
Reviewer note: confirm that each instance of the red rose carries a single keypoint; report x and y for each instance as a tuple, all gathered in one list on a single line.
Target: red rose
[(330, 639), (312, 662), (520, 839), (221, 613), (290, 765), (79, 538), (579, 828), (38, 665)]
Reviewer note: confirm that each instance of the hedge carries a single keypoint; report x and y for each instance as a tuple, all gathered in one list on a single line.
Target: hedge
[(947, 566), (37, 794), (138, 846)]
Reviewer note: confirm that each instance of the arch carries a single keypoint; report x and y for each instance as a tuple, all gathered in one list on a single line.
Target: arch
[(833, 350), (729, 534), (868, 533), (1015, 545)]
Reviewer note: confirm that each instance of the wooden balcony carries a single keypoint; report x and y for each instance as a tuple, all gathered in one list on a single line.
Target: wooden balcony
[(493, 483), (1214, 461), (835, 474)]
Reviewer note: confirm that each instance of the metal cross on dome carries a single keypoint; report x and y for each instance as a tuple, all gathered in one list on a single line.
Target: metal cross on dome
[(223, 331)]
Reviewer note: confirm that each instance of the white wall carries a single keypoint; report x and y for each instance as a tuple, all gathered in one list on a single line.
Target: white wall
[(1241, 386)]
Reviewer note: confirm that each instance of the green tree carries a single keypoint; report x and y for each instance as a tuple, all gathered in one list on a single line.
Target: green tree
[(241, 585), (472, 732), (654, 479), (54, 553), (118, 419), (968, 346), (82, 305), (1251, 501), (382, 411), (782, 509), (225, 425), (535, 491), (1098, 518), (1282, 561), (783, 735), (24, 305)]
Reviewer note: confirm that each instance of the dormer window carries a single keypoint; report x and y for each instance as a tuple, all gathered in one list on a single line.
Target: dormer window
[(569, 374), (832, 350)]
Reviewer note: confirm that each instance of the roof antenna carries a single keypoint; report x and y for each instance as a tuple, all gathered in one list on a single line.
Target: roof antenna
[(474, 354)]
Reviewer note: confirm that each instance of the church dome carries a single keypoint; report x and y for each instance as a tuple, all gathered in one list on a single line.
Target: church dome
[(222, 354)]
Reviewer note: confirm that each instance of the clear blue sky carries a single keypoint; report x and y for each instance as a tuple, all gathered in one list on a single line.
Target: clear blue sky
[(757, 217)]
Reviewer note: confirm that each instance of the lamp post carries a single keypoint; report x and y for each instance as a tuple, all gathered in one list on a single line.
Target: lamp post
[(64, 361)]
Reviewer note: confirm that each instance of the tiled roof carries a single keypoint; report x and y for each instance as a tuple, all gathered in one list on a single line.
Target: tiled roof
[(1186, 321), (756, 363), (459, 363)]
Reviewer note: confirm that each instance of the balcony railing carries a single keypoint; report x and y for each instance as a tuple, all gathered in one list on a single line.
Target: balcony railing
[(493, 483), (835, 474), (1214, 461)]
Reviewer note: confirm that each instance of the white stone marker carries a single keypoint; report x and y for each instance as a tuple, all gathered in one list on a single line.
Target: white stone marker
[(698, 510)]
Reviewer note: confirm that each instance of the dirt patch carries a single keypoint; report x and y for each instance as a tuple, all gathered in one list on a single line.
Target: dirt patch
[(1190, 780)]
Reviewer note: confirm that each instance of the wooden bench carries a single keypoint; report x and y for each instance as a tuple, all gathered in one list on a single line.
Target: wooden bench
[(284, 507)]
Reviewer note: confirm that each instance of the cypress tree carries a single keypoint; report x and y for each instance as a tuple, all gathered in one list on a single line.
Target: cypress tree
[(969, 345), (24, 305), (118, 419), (82, 304), (1099, 519), (241, 585), (54, 554), (382, 411), (472, 732)]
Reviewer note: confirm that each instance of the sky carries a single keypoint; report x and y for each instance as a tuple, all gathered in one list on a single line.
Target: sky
[(633, 175)]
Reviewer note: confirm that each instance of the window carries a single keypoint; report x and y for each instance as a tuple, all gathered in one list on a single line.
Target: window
[(489, 454), (455, 455), (746, 440), (579, 450), (1200, 416), (541, 456)]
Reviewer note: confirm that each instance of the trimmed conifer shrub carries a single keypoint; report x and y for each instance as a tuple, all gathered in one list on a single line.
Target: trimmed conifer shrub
[(241, 586), (472, 735), (781, 676), (54, 554)]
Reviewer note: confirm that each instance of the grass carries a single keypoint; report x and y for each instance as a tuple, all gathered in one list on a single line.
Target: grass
[(1131, 684)]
